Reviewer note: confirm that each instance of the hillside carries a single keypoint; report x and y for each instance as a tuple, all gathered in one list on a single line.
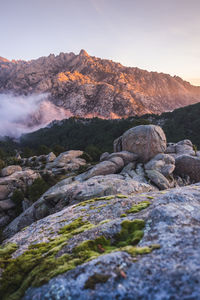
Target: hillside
[(87, 86), (77, 133)]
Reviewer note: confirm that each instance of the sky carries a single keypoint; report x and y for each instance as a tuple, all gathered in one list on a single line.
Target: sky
[(155, 35)]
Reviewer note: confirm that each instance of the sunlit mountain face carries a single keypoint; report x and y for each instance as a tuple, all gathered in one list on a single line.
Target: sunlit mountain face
[(86, 86)]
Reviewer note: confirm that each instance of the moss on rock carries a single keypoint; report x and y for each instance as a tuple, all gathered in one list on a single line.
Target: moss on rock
[(40, 262), (138, 207)]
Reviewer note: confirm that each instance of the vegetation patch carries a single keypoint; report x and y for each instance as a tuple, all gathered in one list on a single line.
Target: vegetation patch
[(38, 188), (84, 203), (94, 279), (138, 207), (123, 215), (40, 262), (17, 198)]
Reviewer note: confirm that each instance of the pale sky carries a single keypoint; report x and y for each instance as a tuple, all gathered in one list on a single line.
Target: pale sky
[(156, 35)]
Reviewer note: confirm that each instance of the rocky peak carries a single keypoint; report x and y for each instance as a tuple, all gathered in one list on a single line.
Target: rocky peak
[(109, 89), (2, 59), (83, 53)]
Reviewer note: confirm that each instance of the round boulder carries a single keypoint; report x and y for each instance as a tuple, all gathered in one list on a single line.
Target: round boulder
[(144, 140)]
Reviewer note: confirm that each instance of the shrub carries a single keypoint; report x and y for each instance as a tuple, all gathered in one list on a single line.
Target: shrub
[(38, 188), (49, 179), (57, 149), (94, 152), (86, 156), (2, 164), (43, 149), (17, 198)]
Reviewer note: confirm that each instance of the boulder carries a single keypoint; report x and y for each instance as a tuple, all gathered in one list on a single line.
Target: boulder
[(117, 144), (158, 179), (144, 140), (10, 170), (19, 180), (6, 205), (68, 160), (185, 147), (187, 165), (171, 148), (51, 157), (102, 168), (125, 155), (118, 161), (4, 191), (104, 156), (163, 163)]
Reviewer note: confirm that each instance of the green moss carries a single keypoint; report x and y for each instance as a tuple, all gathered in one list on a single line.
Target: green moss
[(6, 252), (130, 234), (41, 261), (138, 207), (76, 227), (94, 279), (121, 196), (123, 215), (84, 203), (136, 250), (104, 221)]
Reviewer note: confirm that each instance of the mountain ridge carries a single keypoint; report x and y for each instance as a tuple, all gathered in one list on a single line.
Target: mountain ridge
[(88, 86)]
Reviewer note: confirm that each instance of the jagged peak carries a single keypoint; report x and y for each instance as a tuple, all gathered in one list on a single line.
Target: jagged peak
[(3, 59), (83, 53)]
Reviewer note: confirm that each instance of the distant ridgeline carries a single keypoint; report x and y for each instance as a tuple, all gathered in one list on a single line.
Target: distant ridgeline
[(96, 135)]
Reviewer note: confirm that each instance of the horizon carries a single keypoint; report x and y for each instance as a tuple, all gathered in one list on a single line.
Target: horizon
[(152, 35)]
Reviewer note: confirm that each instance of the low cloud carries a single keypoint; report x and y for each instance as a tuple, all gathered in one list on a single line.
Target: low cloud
[(21, 114)]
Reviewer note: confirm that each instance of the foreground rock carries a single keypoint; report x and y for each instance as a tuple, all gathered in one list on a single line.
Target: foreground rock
[(68, 192), (170, 271), (146, 141)]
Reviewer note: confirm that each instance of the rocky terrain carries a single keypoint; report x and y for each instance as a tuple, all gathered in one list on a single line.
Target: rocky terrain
[(87, 86), (125, 228)]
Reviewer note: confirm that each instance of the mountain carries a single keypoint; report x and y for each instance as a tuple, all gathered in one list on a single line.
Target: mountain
[(87, 86)]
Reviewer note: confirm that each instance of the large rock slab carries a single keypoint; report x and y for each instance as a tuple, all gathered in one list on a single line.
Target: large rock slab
[(144, 140), (170, 272), (188, 166), (70, 192)]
